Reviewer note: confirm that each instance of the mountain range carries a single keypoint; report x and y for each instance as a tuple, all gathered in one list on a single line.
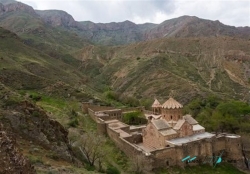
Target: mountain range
[(139, 59), (49, 63), (28, 20)]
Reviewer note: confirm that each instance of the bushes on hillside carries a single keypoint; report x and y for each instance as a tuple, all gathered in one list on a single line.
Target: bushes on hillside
[(134, 118), (221, 116), (112, 170)]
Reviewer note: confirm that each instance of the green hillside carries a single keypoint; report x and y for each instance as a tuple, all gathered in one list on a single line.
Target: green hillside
[(50, 63), (190, 67)]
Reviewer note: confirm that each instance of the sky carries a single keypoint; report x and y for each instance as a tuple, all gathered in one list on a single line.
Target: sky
[(229, 12)]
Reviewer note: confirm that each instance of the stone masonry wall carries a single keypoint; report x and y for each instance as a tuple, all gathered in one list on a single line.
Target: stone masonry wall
[(128, 148)]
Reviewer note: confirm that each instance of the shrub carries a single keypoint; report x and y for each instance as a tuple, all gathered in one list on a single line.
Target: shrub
[(35, 114), (134, 118), (35, 97), (112, 170), (73, 123)]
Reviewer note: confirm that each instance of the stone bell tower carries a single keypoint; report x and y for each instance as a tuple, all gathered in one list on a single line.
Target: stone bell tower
[(156, 107), (171, 110)]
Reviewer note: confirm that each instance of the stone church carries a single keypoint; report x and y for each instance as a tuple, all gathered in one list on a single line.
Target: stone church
[(167, 122), (168, 139)]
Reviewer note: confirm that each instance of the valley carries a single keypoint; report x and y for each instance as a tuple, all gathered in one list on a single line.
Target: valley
[(50, 64)]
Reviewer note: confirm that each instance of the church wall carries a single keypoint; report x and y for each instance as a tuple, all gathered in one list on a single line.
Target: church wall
[(152, 138), (186, 130), (171, 114)]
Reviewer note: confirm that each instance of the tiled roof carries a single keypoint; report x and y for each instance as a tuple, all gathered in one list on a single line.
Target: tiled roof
[(168, 132), (179, 124), (190, 119), (172, 104), (160, 124), (153, 116), (195, 137), (198, 127), (156, 104)]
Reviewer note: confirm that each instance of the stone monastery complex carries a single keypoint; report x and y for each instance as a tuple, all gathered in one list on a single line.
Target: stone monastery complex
[(168, 139)]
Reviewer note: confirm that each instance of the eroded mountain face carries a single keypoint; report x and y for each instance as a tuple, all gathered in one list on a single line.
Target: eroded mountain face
[(12, 160)]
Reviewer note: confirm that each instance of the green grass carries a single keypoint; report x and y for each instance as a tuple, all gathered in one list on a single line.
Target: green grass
[(223, 168)]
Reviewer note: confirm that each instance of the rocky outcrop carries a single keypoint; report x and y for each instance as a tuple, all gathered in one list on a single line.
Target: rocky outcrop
[(11, 160), (114, 26), (57, 18), (191, 26), (33, 123), (1, 9), (16, 6)]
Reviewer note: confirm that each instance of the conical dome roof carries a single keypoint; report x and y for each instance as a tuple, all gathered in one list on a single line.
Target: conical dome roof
[(156, 104), (172, 104)]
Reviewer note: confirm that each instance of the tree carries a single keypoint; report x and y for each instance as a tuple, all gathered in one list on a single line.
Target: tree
[(90, 145), (140, 163)]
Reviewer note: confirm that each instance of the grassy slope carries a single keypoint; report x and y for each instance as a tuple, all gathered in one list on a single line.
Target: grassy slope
[(23, 82), (192, 66), (54, 41), (24, 67), (223, 168)]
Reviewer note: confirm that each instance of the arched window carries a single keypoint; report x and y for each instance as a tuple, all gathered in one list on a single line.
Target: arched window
[(171, 117)]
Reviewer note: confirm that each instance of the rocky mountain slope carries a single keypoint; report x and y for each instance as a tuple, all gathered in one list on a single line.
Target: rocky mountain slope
[(190, 66), (24, 67), (55, 27), (201, 54), (128, 32), (191, 26), (36, 32), (12, 161), (49, 63)]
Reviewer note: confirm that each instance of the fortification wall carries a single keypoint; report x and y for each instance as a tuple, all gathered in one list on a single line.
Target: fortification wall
[(137, 129), (165, 157), (92, 114), (129, 149), (101, 127), (135, 138), (206, 148), (219, 144), (85, 106), (233, 148), (140, 109), (173, 155)]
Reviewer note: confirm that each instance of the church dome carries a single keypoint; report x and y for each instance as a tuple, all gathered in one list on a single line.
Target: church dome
[(156, 104), (172, 104)]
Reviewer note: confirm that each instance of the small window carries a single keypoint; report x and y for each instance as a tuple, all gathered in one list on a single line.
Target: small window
[(171, 117), (167, 162)]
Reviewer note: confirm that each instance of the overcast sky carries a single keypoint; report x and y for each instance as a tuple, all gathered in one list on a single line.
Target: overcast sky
[(230, 12)]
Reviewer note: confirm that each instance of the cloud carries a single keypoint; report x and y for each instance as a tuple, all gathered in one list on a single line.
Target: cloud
[(230, 12)]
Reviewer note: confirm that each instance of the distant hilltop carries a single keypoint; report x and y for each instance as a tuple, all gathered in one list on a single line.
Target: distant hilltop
[(126, 32)]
